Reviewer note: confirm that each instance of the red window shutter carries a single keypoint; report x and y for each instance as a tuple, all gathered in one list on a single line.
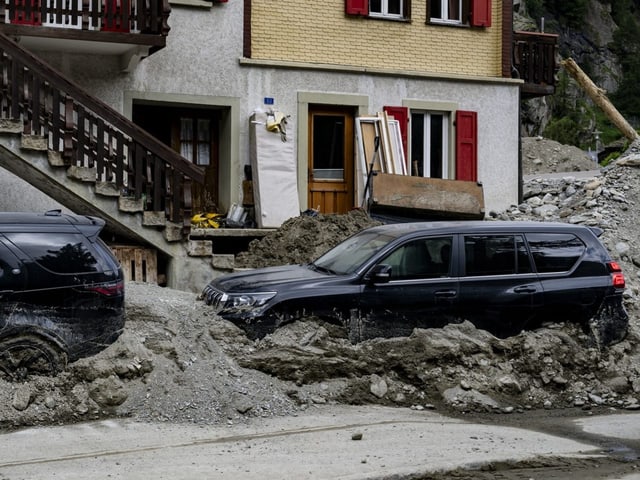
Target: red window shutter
[(480, 13), (357, 7), (401, 114), (466, 146), (26, 12)]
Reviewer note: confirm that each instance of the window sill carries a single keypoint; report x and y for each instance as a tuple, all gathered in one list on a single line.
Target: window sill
[(444, 23), (192, 3), (387, 19)]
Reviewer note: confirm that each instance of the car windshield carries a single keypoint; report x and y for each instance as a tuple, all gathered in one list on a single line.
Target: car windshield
[(347, 256)]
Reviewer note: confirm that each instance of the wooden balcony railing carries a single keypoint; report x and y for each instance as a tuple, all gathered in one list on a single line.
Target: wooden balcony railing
[(89, 133), (534, 60), (86, 19)]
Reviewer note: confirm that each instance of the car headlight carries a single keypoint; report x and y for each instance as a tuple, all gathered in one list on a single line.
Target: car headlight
[(247, 301)]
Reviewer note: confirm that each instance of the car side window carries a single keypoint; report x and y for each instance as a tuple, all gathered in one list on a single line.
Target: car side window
[(59, 253), (555, 252), (495, 255), (423, 258)]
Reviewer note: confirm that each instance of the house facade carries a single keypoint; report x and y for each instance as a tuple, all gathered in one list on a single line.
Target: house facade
[(443, 69)]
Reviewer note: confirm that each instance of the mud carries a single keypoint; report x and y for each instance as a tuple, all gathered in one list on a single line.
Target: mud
[(178, 362)]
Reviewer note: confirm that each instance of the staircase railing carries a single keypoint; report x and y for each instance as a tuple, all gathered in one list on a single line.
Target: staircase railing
[(89, 133)]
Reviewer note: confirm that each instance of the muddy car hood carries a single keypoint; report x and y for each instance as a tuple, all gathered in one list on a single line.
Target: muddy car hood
[(266, 278)]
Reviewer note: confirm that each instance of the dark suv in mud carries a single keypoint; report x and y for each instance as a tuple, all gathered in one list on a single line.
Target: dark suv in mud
[(61, 291), (387, 280)]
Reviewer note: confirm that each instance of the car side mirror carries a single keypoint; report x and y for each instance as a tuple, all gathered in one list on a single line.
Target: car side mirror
[(381, 273)]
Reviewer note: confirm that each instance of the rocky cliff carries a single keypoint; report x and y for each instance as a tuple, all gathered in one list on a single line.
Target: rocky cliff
[(589, 40)]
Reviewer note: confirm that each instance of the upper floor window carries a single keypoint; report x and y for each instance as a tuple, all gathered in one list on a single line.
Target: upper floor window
[(386, 8), (446, 11), (391, 9), (476, 13)]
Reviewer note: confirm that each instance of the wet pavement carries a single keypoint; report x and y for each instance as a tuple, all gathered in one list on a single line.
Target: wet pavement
[(328, 442)]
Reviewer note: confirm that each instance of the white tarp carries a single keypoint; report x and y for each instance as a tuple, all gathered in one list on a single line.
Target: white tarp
[(274, 169)]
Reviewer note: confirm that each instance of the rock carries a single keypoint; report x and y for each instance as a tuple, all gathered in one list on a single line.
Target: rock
[(378, 386), (50, 402), (22, 398), (619, 384), (457, 396), (108, 392), (622, 248)]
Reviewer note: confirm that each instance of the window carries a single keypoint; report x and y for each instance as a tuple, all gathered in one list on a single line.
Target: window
[(59, 253), (430, 144), (328, 147), (392, 9), (386, 8), (446, 11), (476, 13), (195, 139), (495, 255), (424, 258), (555, 252), (439, 140)]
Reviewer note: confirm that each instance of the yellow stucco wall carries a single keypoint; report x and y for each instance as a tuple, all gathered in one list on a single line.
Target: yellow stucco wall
[(320, 32)]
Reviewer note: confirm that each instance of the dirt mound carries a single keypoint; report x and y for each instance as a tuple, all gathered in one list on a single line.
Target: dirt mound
[(542, 155), (176, 361), (304, 238)]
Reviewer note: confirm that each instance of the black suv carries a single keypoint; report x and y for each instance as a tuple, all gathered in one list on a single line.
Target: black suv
[(387, 280), (61, 291)]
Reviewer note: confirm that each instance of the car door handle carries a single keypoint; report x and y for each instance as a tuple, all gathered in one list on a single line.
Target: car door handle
[(526, 289), (446, 293)]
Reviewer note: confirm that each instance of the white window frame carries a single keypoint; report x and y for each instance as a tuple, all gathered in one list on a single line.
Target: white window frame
[(444, 9), (384, 5), (426, 135)]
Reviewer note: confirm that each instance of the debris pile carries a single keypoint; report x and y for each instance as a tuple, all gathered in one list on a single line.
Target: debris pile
[(178, 362)]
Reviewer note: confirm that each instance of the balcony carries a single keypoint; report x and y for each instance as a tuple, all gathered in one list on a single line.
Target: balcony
[(534, 61), (131, 29)]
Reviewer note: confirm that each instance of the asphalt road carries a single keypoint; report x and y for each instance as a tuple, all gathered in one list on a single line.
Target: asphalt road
[(328, 442)]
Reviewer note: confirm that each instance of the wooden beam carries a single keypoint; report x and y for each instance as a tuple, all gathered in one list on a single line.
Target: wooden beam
[(599, 97)]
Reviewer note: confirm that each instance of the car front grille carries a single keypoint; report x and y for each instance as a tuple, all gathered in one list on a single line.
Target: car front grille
[(214, 297)]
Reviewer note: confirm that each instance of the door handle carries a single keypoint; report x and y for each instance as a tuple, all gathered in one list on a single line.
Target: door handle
[(526, 289), (446, 293)]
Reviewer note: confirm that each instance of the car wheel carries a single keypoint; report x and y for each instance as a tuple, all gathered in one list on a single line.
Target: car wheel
[(25, 355)]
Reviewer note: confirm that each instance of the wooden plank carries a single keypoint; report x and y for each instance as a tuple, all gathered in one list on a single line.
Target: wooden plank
[(421, 197), (385, 143), (395, 136), (138, 264)]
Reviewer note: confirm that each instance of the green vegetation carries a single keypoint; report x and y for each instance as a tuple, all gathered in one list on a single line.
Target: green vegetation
[(574, 121), (626, 45)]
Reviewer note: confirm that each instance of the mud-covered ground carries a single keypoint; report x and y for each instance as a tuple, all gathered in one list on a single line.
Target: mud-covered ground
[(178, 362)]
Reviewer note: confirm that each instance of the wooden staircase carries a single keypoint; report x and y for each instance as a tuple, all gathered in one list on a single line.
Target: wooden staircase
[(91, 159)]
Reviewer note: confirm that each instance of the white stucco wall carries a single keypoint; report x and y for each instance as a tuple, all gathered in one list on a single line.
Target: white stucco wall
[(203, 60), (19, 196)]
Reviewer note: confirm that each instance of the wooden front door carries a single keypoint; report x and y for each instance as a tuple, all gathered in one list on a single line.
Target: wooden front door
[(331, 160), (194, 136)]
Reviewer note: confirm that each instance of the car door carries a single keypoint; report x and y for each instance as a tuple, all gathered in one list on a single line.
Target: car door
[(499, 291), (12, 281), (420, 292)]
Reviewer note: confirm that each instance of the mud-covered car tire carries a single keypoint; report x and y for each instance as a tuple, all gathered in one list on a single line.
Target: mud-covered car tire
[(24, 355)]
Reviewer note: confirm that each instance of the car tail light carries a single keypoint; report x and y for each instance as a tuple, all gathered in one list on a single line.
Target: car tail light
[(616, 274), (108, 289)]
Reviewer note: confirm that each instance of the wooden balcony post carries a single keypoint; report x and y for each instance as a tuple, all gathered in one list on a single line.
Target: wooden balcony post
[(69, 127)]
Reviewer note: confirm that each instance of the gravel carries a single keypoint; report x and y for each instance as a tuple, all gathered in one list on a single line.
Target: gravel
[(178, 362)]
